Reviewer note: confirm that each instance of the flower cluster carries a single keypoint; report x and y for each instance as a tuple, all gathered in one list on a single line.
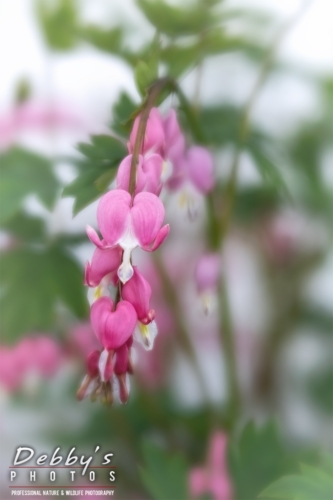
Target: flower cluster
[(129, 217)]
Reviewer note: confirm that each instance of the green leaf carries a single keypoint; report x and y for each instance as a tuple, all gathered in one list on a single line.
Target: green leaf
[(165, 476), (59, 23), (144, 74), (271, 461), (34, 282), (23, 173), (314, 483), (108, 40), (177, 21), (268, 166), (320, 389), (25, 227), (97, 170), (122, 112), (220, 125)]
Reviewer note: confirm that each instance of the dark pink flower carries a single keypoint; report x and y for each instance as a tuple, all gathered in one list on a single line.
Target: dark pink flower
[(112, 327)]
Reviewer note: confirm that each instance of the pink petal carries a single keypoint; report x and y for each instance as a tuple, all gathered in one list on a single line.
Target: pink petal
[(137, 291), (103, 262), (200, 168), (171, 128), (147, 217), (220, 487), (207, 272), (112, 328), (121, 360), (198, 482), (152, 168), (94, 238), (92, 363), (217, 451), (161, 235), (112, 215), (123, 175), (154, 137)]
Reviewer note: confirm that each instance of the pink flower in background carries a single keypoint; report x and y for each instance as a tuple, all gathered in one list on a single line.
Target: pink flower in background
[(33, 115), (129, 226), (213, 479), (207, 278), (36, 354)]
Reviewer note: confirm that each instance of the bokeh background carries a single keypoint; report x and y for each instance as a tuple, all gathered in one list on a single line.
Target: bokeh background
[(254, 377)]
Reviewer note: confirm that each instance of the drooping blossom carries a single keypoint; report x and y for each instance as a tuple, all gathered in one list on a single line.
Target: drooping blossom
[(213, 479), (102, 271), (137, 291), (129, 225), (207, 277)]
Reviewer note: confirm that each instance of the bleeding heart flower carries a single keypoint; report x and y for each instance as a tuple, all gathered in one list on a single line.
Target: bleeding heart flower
[(137, 291), (148, 174), (129, 225), (112, 327)]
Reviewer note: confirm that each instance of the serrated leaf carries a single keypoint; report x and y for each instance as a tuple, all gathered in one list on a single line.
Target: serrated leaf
[(177, 21), (145, 74), (59, 23), (164, 475), (33, 283), (97, 171), (23, 173), (122, 111), (271, 461)]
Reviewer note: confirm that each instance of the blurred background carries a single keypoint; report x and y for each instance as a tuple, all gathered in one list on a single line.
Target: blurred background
[(227, 402)]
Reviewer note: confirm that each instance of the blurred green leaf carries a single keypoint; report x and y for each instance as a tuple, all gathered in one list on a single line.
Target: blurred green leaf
[(175, 20), (23, 91), (97, 170), (257, 459), (25, 227), (33, 284), (165, 476), (320, 389), (318, 318), (220, 124), (268, 166), (108, 40), (252, 202), (313, 483), (59, 23), (23, 173), (145, 74), (121, 114)]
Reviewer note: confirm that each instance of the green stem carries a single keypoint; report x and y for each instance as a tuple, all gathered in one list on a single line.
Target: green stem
[(152, 93), (178, 315)]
